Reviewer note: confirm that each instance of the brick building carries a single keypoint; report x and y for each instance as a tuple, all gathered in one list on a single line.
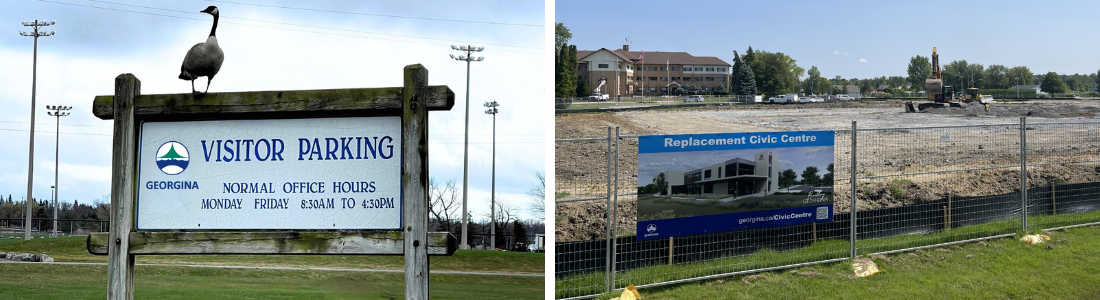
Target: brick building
[(629, 73)]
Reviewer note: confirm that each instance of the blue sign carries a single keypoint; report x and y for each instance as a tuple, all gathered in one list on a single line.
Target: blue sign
[(704, 183)]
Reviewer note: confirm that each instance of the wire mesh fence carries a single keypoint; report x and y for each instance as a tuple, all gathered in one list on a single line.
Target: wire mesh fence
[(913, 188)]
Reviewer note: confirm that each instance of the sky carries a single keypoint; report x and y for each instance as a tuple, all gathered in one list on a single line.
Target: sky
[(794, 158), (853, 39), (279, 45)]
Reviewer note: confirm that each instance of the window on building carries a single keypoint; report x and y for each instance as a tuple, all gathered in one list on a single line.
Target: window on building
[(698, 78), (664, 89), (629, 67), (664, 78), (639, 78), (582, 67), (709, 88), (675, 68), (652, 89), (664, 68), (699, 69), (710, 69), (721, 79), (653, 79), (710, 78), (639, 90), (721, 69), (706, 175), (603, 66), (675, 78), (687, 78), (652, 69)]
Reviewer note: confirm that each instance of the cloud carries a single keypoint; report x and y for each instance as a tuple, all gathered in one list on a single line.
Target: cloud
[(862, 60), (811, 151), (785, 163), (845, 53), (836, 52)]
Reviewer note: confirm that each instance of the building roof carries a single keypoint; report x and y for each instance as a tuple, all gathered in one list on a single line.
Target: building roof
[(1024, 87), (851, 89), (656, 57)]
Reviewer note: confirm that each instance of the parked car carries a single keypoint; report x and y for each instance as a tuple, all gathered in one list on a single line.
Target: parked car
[(693, 98), (810, 99), (788, 98), (845, 98)]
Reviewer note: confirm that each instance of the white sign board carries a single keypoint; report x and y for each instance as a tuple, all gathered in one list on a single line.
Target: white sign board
[(325, 173)]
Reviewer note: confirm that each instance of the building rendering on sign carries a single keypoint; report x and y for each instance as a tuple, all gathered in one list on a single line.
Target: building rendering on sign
[(630, 73), (736, 177)]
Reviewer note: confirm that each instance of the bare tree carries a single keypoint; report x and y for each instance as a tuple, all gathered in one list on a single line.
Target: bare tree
[(538, 192), (506, 213), (444, 206)]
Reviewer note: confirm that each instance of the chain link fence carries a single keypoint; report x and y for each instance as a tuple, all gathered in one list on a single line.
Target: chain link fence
[(913, 188)]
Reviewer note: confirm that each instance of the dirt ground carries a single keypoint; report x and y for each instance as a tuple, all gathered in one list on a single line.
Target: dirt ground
[(895, 167)]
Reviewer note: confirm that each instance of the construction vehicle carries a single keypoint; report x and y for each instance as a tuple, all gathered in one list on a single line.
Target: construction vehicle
[(596, 96), (940, 95)]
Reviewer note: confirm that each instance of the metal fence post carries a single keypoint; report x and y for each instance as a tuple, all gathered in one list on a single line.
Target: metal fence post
[(1023, 174), (607, 276), (852, 212), (615, 210)]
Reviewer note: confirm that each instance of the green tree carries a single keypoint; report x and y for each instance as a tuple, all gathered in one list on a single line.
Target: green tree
[(735, 85), (920, 69), (662, 184), (746, 81), (1096, 78), (810, 177), (566, 73), (996, 77), (519, 232), (776, 73), (582, 88), (787, 178), (827, 179), (561, 36), (749, 58), (1052, 83), (1021, 72), (719, 89), (814, 83)]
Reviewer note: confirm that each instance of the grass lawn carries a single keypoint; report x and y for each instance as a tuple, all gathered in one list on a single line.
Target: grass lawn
[(43, 281), (996, 269), (73, 249)]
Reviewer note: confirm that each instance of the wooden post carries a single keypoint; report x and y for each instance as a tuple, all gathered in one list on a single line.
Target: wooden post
[(814, 226), (947, 212), (414, 181), (120, 263), (1053, 204), (670, 250)]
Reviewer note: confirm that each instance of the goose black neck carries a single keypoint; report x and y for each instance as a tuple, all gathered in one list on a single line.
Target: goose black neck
[(215, 27)]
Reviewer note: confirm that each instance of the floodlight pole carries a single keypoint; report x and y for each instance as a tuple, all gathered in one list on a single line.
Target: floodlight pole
[(469, 49), (57, 111), (34, 82), (492, 105)]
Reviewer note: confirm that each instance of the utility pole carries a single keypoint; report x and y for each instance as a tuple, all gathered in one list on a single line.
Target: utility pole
[(34, 81), (492, 105), (469, 49), (57, 111)]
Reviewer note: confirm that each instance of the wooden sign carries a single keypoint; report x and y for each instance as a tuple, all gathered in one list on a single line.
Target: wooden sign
[(144, 122)]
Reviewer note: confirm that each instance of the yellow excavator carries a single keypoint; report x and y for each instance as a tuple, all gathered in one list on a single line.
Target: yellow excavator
[(940, 95)]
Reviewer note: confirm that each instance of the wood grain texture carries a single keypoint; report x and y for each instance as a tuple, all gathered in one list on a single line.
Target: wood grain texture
[(414, 180), (272, 242), (225, 105), (120, 263)]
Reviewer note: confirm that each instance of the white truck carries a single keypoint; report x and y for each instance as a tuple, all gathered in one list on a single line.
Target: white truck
[(788, 98), (596, 95)]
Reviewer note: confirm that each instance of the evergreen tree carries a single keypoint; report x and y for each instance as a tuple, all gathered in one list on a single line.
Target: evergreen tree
[(746, 81), (734, 83), (720, 90), (582, 89), (519, 231)]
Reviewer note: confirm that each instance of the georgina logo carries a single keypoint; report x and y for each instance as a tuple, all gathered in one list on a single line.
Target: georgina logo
[(651, 228), (172, 158)]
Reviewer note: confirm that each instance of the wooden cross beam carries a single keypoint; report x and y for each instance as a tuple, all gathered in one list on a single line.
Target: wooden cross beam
[(279, 242), (329, 103)]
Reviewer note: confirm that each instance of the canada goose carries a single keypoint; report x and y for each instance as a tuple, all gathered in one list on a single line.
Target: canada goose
[(204, 59)]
